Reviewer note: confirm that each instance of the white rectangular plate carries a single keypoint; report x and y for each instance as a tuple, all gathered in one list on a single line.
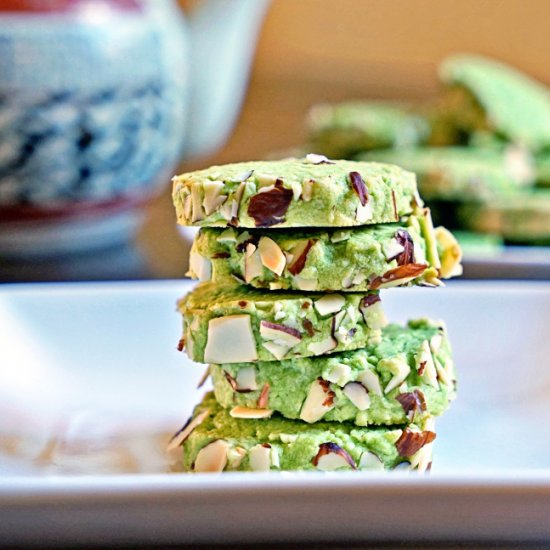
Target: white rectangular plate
[(98, 359)]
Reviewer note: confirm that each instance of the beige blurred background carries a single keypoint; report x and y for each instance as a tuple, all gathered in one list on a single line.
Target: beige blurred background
[(326, 50)]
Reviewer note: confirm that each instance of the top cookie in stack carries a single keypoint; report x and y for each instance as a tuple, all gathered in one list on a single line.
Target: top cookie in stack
[(310, 192)]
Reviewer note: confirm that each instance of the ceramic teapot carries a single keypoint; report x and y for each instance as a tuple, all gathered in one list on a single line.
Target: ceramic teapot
[(99, 100)]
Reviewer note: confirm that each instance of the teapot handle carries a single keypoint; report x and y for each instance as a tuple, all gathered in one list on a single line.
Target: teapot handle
[(222, 35)]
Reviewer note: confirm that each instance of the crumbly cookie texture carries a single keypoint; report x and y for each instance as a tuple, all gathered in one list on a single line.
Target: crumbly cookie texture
[(489, 96), (230, 323), (366, 258), (341, 130), (407, 375), (465, 174), (213, 441), (309, 192)]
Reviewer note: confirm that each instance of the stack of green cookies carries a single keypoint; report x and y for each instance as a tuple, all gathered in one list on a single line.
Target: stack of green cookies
[(306, 371), (480, 151)]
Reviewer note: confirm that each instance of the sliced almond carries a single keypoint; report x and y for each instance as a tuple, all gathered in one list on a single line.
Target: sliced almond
[(263, 400), (369, 461), (252, 263), (398, 276), (259, 458), (187, 207), (323, 346), (339, 374), (364, 213), (422, 459), (442, 373), (307, 189), (281, 334), (230, 340), (244, 176), (298, 256), (347, 281), (330, 303), (359, 187), (235, 457), (278, 350), (197, 213), (199, 267), (332, 457), (400, 369), (393, 249), (250, 413), (319, 401), (371, 381), (314, 158), (435, 342), (271, 255), (337, 320), (374, 315), (358, 395), (265, 180), (274, 457), (227, 209), (212, 457), (230, 380), (413, 403), (204, 378), (213, 198), (303, 283), (425, 365), (411, 441), (183, 433), (246, 379)]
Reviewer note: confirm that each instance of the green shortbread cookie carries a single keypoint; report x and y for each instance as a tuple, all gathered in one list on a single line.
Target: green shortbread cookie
[(522, 217), (308, 192), (463, 174), (342, 130), (488, 96), (408, 374), (230, 323), (371, 257), (214, 441)]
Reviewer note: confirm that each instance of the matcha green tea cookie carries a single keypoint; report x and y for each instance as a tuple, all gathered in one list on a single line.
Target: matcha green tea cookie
[(365, 258), (486, 95), (461, 173), (230, 323), (309, 192), (522, 218), (405, 376), (342, 130), (214, 441)]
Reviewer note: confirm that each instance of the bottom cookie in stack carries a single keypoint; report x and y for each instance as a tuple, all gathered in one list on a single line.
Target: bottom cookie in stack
[(214, 441)]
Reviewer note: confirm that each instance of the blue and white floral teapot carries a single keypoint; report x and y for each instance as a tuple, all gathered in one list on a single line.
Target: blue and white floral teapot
[(100, 99)]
